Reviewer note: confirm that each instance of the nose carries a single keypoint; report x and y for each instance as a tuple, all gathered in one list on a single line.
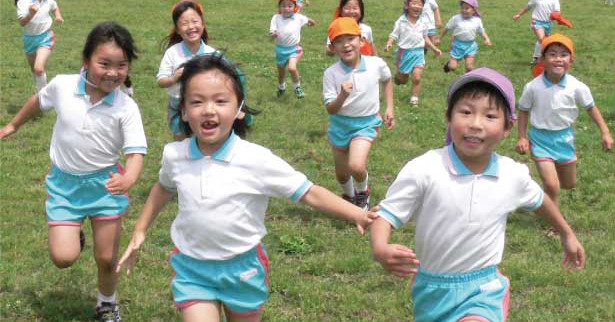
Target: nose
[(208, 108), (476, 123)]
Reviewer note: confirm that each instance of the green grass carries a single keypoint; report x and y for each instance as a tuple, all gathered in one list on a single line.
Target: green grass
[(320, 268)]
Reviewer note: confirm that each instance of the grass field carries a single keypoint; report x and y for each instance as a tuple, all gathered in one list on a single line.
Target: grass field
[(320, 268)]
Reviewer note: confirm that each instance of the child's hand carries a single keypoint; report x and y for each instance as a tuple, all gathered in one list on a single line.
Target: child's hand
[(178, 73), (59, 19), (388, 46), (517, 16), (438, 52), (274, 34), (607, 141), (33, 9), (523, 145), (118, 184), (398, 260), (347, 87), (7, 130), (131, 253), (389, 119), (311, 22), (365, 221), (488, 42), (574, 254)]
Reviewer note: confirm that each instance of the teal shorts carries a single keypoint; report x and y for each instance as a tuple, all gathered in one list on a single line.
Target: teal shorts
[(556, 146), (32, 42), (409, 59), (72, 197), (343, 129), (432, 31), (174, 117), (283, 54), (546, 25), (461, 49), (480, 295), (240, 283)]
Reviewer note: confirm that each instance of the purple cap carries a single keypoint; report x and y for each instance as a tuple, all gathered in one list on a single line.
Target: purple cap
[(474, 4), (489, 76)]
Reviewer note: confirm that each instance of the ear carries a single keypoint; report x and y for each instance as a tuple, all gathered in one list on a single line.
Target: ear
[(241, 116), (85, 64), (508, 130)]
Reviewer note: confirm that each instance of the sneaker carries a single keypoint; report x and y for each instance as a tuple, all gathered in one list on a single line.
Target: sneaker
[(414, 101), (299, 92), (81, 240), (534, 61), (361, 199), (108, 312), (348, 198), (446, 68), (281, 92)]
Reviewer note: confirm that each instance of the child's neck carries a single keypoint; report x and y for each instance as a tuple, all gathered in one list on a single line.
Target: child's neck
[(193, 46), (353, 64), (411, 18), (95, 94), (554, 78)]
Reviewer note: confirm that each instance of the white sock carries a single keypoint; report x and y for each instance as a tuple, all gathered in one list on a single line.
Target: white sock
[(537, 49), (298, 84), (282, 86), (348, 188), (104, 298), (40, 81), (362, 186)]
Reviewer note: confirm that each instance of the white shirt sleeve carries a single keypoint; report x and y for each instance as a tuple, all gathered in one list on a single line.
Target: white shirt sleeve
[(395, 33), (450, 25), (166, 65), (47, 95), (583, 96), (132, 130), (302, 19), (403, 197), (166, 169), (527, 98), (273, 26), (52, 5), (23, 8), (384, 71), (531, 195), (329, 89)]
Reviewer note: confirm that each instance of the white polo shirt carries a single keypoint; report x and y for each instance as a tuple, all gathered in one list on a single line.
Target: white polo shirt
[(465, 29), (288, 29), (364, 100), (173, 59), (408, 35), (555, 106), (88, 137), (460, 216), (41, 21), (541, 9), (222, 198), (428, 14)]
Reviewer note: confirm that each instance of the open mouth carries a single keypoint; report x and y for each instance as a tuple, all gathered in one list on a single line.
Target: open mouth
[(209, 125), (472, 139)]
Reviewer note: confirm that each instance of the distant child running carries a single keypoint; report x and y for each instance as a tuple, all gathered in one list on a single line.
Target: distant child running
[(431, 14), (96, 122), (460, 197), (355, 9), (551, 102), (352, 98), (286, 28), (541, 20), (464, 27), (38, 38), (188, 38), (223, 184), (410, 33)]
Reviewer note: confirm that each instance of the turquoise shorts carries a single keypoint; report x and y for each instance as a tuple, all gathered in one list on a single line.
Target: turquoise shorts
[(481, 295), (546, 25), (461, 49), (409, 59), (432, 31), (240, 283), (72, 197), (555, 146), (283, 54), (32, 42), (343, 129), (174, 117)]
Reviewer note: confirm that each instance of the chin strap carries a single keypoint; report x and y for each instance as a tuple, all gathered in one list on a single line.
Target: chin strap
[(84, 76), (239, 110)]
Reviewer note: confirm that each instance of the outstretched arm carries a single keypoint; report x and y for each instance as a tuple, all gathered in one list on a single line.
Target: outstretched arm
[(158, 197), (58, 15), (523, 144), (389, 113), (607, 140), (27, 112), (521, 13)]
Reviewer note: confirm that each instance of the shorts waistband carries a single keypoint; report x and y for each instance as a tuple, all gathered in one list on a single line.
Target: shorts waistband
[(564, 130), (465, 42), (247, 254), (82, 176), (458, 277)]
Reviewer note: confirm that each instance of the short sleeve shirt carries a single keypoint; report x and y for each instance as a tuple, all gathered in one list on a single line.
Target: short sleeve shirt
[(460, 216), (555, 106), (288, 29), (364, 100), (465, 29), (41, 21), (542, 9), (89, 137), (222, 198), (173, 59), (409, 35), (428, 13)]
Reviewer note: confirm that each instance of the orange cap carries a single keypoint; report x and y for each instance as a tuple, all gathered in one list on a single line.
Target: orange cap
[(343, 26), (557, 38)]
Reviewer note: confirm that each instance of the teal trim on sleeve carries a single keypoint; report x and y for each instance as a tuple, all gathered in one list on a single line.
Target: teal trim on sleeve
[(537, 204), (135, 149), (167, 188), (390, 217), (301, 190)]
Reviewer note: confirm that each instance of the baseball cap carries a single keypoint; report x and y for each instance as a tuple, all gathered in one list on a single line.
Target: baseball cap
[(343, 26), (474, 4), (557, 38)]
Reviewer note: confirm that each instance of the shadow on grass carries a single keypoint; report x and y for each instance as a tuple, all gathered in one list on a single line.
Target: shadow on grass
[(67, 304)]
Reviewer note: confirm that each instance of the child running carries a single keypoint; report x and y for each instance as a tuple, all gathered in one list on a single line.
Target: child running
[(551, 102), (352, 98), (460, 196), (38, 38), (431, 14), (286, 28), (95, 123), (223, 184), (188, 38), (541, 21), (356, 10), (464, 26), (410, 33)]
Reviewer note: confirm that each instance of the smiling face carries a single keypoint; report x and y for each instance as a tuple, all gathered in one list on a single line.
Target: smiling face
[(414, 8), (107, 68), (467, 10), (210, 107), (557, 60), (477, 124), (190, 26), (352, 10), (287, 8), (347, 48)]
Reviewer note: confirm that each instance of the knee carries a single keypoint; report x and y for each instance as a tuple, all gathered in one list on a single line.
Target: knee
[(357, 168), (38, 70), (569, 185), (416, 80), (552, 188), (62, 262), (292, 69)]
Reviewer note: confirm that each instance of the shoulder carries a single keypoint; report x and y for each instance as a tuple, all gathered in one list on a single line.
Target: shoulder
[(508, 166), (575, 81), (174, 151), (365, 27), (65, 81), (333, 69), (252, 153)]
